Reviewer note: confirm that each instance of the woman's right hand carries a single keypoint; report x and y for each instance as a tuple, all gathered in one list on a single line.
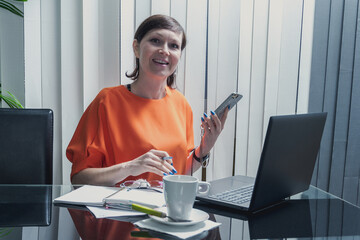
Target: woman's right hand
[(152, 161)]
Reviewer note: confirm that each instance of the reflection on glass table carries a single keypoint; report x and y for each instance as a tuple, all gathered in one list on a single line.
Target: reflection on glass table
[(22, 206), (311, 214)]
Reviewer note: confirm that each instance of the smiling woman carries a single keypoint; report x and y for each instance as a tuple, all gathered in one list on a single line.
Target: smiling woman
[(148, 120), (128, 131)]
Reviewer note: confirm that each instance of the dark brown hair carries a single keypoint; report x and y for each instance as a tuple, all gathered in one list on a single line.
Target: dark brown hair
[(157, 22)]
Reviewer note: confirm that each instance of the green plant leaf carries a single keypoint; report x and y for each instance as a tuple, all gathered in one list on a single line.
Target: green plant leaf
[(8, 101), (11, 101), (17, 102), (11, 7)]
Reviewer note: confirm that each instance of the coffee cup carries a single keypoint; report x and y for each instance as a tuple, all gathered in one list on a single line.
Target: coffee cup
[(180, 192)]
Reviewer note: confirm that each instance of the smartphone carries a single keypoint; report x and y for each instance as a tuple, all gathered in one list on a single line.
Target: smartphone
[(230, 102)]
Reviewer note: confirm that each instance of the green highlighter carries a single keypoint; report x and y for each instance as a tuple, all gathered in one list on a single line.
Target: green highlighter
[(153, 212), (147, 210)]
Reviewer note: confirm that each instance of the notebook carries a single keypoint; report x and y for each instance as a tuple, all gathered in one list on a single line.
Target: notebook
[(99, 196), (286, 165)]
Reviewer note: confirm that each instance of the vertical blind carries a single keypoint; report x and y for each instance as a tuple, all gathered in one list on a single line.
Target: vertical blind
[(335, 89)]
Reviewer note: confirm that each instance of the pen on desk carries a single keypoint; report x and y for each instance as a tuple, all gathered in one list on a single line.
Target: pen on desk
[(136, 207), (147, 210), (154, 212)]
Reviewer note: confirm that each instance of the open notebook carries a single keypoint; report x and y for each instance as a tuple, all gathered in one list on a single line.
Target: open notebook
[(99, 196)]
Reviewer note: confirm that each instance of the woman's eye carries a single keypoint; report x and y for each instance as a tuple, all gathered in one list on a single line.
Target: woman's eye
[(155, 40), (175, 46)]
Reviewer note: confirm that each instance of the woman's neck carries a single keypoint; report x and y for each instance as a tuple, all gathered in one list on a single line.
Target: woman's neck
[(149, 89)]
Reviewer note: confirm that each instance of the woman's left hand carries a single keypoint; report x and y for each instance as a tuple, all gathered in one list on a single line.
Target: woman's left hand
[(212, 126)]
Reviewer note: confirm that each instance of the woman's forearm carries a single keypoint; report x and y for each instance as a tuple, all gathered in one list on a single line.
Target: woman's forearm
[(108, 176)]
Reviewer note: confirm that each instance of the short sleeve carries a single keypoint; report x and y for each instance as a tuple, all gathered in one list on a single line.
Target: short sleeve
[(87, 146)]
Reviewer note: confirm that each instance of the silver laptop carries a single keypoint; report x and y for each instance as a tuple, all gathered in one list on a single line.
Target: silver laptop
[(286, 165)]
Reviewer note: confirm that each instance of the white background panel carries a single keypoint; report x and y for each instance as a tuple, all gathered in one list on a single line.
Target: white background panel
[(195, 61), (273, 60), (91, 85), (178, 10), (257, 87), (212, 69), (160, 7), (289, 58), (227, 72), (127, 28), (244, 84)]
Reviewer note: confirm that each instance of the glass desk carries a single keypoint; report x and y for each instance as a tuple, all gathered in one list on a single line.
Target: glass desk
[(27, 212)]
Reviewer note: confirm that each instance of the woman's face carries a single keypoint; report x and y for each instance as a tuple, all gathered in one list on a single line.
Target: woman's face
[(159, 53)]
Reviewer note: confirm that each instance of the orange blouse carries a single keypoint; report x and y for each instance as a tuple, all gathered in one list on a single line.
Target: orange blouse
[(119, 126)]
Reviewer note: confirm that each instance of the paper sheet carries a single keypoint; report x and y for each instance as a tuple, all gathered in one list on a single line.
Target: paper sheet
[(87, 195), (149, 198), (182, 232), (101, 212)]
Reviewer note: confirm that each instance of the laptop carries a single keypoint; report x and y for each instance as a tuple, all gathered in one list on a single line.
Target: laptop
[(286, 166)]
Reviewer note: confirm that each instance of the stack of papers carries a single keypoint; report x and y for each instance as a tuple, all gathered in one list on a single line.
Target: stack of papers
[(182, 232), (95, 198)]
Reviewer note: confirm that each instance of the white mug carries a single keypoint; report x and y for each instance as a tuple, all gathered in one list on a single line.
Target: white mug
[(180, 192)]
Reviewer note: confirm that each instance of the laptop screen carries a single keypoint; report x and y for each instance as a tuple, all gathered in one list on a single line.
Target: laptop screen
[(288, 158)]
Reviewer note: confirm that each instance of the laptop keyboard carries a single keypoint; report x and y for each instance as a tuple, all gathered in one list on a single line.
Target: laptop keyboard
[(235, 196)]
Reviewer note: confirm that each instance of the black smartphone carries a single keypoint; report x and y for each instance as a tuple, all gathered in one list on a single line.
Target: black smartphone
[(230, 102)]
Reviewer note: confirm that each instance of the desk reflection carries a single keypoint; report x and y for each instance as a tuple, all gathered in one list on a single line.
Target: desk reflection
[(311, 214), (24, 206), (307, 218), (297, 218), (292, 219), (91, 228)]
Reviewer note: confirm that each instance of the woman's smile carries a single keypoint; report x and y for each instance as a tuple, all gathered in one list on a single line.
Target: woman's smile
[(161, 62)]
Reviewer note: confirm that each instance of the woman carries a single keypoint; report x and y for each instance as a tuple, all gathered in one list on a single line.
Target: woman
[(128, 131)]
